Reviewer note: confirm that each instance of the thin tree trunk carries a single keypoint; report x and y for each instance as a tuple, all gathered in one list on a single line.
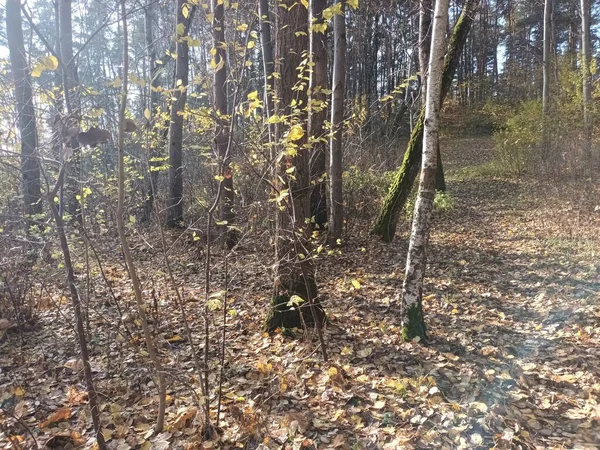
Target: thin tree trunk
[(546, 57), (424, 41), (30, 162), (155, 142), (135, 281), (268, 61), (72, 103), (318, 114), (179, 98), (338, 86), (221, 122), (385, 225), (586, 56), (413, 325)]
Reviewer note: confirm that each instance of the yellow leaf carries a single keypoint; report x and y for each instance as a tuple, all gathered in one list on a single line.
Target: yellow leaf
[(19, 392), (147, 114), (242, 27), (253, 95), (356, 284), (176, 338), (352, 4), (50, 63), (296, 133), (251, 44)]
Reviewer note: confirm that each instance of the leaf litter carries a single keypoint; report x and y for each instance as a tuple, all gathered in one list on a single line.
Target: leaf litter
[(511, 301)]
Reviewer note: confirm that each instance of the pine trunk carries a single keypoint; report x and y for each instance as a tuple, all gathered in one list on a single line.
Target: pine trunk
[(30, 163), (318, 116), (179, 98), (337, 122), (295, 302)]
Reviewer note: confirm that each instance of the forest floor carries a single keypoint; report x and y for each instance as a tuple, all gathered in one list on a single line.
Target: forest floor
[(512, 304)]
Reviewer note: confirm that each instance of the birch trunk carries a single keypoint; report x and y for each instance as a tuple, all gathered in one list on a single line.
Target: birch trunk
[(546, 57), (394, 201), (338, 85), (412, 289)]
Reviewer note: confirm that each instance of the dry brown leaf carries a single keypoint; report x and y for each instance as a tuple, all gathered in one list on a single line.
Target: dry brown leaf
[(57, 416)]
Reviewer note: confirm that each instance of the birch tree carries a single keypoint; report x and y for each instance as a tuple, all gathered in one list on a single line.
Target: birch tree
[(406, 174), (412, 290), (546, 57)]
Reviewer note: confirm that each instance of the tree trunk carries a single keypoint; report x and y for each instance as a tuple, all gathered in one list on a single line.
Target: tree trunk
[(413, 325), (318, 115), (135, 281), (295, 302), (586, 56), (546, 57), (221, 120), (424, 41), (155, 142), (338, 86), (30, 162), (385, 225), (268, 61), (424, 48), (175, 197), (72, 103)]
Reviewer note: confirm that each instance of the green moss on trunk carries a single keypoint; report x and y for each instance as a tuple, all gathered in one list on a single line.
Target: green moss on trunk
[(385, 225), (286, 314), (414, 323)]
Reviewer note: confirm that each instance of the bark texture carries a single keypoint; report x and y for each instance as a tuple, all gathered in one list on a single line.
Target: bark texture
[(385, 225), (221, 120), (318, 115), (179, 98), (30, 163), (338, 86), (412, 289), (295, 294)]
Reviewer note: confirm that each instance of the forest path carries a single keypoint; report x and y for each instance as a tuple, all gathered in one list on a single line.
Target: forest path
[(512, 306)]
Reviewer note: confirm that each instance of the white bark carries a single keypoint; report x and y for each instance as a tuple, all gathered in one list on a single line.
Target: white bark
[(412, 289), (546, 57)]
